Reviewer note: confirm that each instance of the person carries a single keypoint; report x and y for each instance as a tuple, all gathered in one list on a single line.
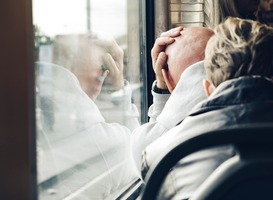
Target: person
[(95, 155), (183, 53), (97, 62), (239, 86), (86, 152), (245, 9)]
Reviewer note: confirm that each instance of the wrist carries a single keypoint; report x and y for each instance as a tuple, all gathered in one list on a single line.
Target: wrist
[(161, 84), (115, 84), (159, 90), (110, 88), (119, 84)]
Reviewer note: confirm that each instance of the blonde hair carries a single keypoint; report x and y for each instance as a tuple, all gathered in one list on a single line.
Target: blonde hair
[(239, 47)]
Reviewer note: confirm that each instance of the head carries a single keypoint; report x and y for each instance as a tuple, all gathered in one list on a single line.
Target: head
[(81, 56), (187, 49), (239, 47)]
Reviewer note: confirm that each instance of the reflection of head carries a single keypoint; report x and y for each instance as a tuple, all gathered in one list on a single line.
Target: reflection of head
[(76, 51), (238, 48), (60, 99), (187, 49), (80, 55)]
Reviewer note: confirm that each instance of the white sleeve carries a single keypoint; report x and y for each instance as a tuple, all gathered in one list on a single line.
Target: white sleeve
[(149, 132), (116, 106), (143, 137), (73, 137), (167, 113), (159, 101)]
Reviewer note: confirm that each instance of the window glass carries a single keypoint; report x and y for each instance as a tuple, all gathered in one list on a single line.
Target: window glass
[(88, 96)]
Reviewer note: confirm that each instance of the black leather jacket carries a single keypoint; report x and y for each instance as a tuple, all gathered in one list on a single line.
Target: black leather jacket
[(240, 101)]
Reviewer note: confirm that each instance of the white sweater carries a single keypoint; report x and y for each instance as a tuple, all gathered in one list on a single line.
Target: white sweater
[(169, 110)]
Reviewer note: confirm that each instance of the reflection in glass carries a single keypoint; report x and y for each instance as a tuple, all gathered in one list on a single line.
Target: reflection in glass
[(87, 75)]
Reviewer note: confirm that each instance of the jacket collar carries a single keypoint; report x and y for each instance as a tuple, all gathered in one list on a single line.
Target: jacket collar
[(236, 91)]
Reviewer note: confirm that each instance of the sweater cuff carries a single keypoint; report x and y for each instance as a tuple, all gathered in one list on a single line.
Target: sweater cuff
[(158, 90)]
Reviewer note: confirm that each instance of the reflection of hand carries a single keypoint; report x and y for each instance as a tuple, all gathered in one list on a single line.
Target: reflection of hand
[(112, 61), (159, 58), (98, 85), (91, 83)]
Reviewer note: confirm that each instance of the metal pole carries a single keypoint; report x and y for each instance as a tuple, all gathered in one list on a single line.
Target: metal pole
[(88, 15), (162, 22)]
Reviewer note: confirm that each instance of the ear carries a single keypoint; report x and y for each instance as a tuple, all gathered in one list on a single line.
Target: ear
[(208, 87), (168, 80)]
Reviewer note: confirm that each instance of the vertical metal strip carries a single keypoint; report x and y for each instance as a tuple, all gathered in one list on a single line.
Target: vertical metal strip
[(162, 16)]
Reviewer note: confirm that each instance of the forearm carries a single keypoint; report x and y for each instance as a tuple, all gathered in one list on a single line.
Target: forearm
[(144, 136), (149, 132), (159, 101), (118, 107)]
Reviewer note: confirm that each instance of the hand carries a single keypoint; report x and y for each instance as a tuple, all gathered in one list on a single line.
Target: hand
[(91, 80), (112, 61), (96, 87), (159, 58), (115, 66)]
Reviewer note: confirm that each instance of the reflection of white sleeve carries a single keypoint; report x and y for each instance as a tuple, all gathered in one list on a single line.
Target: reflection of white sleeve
[(86, 154), (116, 106), (102, 148), (118, 166)]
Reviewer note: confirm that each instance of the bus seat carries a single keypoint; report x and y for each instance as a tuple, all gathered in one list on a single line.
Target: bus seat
[(248, 175)]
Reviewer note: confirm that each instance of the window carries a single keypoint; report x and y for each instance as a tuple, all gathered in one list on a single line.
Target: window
[(89, 96)]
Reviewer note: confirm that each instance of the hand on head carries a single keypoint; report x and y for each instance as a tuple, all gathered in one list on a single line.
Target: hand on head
[(93, 58), (92, 87), (112, 60), (159, 57), (178, 48)]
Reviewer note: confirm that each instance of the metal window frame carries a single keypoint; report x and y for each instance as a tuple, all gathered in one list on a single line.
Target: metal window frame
[(17, 116), (147, 38)]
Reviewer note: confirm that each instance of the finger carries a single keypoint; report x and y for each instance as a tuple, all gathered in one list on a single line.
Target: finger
[(160, 45), (168, 80), (95, 87), (106, 44), (110, 64), (163, 41), (103, 76), (110, 46), (172, 32), (105, 73), (161, 62)]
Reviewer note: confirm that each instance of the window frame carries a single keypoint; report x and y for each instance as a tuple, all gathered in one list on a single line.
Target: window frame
[(18, 142), (147, 39)]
